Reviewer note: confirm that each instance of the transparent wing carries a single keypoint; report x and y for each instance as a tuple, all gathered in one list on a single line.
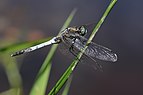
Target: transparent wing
[(95, 51)]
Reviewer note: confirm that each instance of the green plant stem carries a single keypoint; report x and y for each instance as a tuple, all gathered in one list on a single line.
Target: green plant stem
[(70, 69), (67, 87), (12, 72)]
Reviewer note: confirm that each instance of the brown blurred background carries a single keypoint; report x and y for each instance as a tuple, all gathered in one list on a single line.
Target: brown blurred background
[(28, 20)]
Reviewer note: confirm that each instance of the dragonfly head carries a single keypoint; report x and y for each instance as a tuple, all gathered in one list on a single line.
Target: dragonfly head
[(82, 30)]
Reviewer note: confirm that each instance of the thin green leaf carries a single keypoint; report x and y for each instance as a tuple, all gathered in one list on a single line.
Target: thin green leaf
[(13, 91), (41, 81), (66, 89), (70, 69), (11, 70), (13, 75)]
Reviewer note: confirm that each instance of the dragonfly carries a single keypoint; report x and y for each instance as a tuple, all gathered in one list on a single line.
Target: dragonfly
[(74, 38)]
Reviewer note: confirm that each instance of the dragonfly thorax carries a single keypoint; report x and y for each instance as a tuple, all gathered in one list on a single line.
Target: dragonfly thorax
[(75, 31)]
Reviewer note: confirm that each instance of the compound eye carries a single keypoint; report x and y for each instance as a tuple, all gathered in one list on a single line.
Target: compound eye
[(68, 29), (83, 30)]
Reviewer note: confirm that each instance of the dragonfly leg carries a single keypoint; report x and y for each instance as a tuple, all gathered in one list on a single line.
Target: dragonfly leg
[(71, 48), (73, 52)]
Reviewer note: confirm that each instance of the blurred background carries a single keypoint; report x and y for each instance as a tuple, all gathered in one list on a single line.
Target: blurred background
[(122, 31)]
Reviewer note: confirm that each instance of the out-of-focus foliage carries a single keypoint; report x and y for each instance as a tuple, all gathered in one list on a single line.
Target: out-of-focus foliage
[(39, 87)]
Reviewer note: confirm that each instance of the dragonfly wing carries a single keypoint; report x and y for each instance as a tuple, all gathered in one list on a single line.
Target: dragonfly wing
[(100, 52), (95, 51)]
